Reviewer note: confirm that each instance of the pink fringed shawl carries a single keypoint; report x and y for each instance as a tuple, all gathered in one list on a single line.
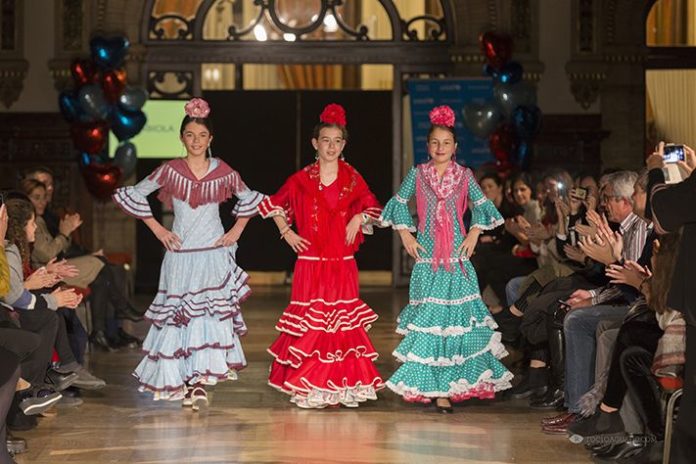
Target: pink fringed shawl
[(454, 185), (178, 182)]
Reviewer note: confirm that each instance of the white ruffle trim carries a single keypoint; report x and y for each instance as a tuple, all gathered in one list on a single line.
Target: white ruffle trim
[(461, 387), (494, 345), (319, 398), (451, 331), (442, 301)]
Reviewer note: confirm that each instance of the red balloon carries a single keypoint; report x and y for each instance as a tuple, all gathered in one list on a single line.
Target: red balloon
[(496, 47), (113, 83), (101, 179), (89, 137), (503, 142), (84, 71)]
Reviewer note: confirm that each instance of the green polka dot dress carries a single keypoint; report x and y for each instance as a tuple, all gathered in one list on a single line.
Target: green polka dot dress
[(450, 347)]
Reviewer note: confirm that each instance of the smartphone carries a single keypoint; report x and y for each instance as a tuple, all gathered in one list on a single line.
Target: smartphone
[(673, 153), (573, 234), (563, 304), (579, 193)]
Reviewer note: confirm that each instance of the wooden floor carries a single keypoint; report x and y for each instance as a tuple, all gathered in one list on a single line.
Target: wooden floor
[(252, 423)]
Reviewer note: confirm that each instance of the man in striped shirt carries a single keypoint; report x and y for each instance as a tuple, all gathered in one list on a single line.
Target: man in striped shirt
[(605, 303)]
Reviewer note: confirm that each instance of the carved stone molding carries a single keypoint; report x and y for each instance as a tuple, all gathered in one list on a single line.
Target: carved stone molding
[(586, 79), (12, 74)]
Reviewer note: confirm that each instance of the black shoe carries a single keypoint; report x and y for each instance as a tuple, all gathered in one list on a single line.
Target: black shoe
[(628, 448), (99, 340), (16, 445), (126, 339), (650, 454), (71, 392), (533, 384), (552, 400), (130, 313), (38, 400), (602, 427), (58, 381)]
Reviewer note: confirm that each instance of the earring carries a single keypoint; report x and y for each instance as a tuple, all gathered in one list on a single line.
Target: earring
[(316, 155), (343, 158), (210, 152)]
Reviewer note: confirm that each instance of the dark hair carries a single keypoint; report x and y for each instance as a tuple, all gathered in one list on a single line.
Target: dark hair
[(207, 122), (19, 212), (324, 125), (526, 179), (38, 170), (443, 127), (29, 185), (661, 281), (493, 176)]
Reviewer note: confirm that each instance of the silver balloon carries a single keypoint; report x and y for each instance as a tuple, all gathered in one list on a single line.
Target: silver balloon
[(481, 119), (511, 96), (132, 98), (92, 101), (126, 157)]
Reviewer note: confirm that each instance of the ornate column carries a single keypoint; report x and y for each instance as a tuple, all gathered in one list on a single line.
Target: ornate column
[(607, 65), (13, 66)]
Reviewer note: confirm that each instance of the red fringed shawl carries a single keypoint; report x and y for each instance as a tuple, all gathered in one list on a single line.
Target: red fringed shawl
[(179, 182)]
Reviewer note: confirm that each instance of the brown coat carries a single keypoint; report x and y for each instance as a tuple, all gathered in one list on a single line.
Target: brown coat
[(47, 247)]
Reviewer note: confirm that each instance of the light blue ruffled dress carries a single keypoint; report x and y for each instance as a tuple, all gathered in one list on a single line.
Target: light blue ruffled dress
[(196, 318)]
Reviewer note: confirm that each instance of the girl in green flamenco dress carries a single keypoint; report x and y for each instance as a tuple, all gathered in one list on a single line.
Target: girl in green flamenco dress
[(450, 351)]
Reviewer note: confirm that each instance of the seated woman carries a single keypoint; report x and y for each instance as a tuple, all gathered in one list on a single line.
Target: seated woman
[(646, 346), (109, 300), (37, 309), (513, 257)]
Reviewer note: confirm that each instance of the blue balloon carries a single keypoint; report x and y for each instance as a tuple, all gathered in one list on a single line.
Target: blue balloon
[(69, 106), (527, 121), (85, 159), (522, 156), (126, 158), (109, 53), (93, 102), (510, 73), (489, 70), (126, 124)]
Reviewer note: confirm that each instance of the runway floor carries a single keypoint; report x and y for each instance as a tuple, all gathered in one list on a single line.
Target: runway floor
[(249, 422)]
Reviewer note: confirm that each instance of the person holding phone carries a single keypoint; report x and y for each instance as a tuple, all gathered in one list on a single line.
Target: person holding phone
[(672, 207)]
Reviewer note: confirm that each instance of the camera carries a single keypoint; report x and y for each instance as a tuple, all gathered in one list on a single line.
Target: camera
[(673, 153), (579, 193)]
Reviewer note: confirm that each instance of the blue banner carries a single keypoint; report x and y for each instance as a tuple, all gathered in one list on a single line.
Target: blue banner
[(425, 94)]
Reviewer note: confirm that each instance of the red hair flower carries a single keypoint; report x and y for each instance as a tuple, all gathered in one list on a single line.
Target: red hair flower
[(442, 116), (197, 108), (333, 114)]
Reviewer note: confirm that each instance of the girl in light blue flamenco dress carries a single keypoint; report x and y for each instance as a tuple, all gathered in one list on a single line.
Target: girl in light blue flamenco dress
[(196, 319), (450, 351)]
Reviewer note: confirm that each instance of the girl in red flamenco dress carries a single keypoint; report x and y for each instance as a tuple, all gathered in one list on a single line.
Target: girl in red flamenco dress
[(323, 356)]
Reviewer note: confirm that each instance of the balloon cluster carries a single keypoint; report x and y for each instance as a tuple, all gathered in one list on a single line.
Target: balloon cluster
[(511, 120), (100, 101)]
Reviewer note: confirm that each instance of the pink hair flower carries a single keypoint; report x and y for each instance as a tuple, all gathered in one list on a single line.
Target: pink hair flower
[(442, 116), (333, 114), (197, 108)]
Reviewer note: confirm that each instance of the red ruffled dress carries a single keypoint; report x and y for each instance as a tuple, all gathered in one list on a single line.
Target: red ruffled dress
[(323, 355)]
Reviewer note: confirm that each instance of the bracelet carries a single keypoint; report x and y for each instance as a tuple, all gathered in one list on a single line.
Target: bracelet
[(284, 231), (642, 283)]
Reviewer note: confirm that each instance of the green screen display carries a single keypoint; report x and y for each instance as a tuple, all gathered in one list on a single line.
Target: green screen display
[(160, 136)]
